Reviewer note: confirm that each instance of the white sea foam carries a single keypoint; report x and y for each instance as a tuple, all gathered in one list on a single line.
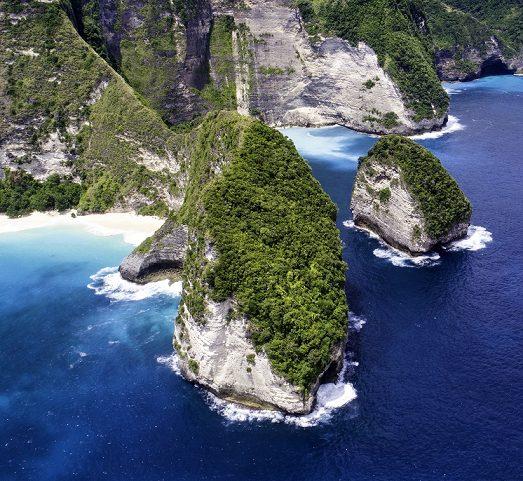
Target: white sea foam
[(477, 238), (330, 397), (171, 362), (399, 259), (356, 322), (453, 125), (108, 282), (394, 256), (453, 91)]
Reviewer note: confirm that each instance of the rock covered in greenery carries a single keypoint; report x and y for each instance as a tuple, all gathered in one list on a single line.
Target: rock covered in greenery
[(158, 255), (64, 111), (404, 194), (263, 312)]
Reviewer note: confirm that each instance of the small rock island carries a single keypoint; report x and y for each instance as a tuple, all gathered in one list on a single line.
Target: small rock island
[(404, 194)]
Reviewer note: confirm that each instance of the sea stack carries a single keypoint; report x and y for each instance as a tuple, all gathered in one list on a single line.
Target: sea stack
[(263, 316), (404, 194)]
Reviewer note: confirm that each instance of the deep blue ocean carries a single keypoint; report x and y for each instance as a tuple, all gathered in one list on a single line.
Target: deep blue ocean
[(88, 383)]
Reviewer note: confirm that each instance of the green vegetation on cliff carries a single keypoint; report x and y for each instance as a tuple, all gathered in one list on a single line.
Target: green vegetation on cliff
[(278, 248), (21, 194), (395, 31), (440, 199), (504, 17), (450, 28), (54, 83)]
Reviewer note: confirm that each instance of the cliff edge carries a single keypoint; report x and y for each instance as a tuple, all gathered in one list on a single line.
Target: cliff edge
[(404, 194)]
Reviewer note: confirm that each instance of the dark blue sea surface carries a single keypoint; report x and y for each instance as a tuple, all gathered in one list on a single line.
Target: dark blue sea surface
[(88, 384)]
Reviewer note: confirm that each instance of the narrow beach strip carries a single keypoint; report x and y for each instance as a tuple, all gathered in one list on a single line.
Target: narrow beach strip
[(135, 228)]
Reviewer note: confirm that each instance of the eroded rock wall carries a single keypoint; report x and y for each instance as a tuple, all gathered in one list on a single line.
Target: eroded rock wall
[(286, 80)]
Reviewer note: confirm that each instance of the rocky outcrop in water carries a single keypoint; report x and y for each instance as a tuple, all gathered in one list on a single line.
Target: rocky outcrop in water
[(217, 352), (157, 256), (404, 194)]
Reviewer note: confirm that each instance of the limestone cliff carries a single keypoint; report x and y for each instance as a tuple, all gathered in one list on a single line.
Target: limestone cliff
[(218, 352), (286, 79), (263, 313), (403, 194), (179, 57)]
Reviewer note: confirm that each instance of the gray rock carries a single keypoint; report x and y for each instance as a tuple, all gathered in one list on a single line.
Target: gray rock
[(217, 353), (166, 252)]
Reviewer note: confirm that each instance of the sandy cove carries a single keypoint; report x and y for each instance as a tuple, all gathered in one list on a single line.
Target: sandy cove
[(134, 228)]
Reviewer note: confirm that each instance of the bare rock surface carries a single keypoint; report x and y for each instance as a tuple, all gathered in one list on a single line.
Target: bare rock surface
[(217, 353), (166, 252), (299, 83)]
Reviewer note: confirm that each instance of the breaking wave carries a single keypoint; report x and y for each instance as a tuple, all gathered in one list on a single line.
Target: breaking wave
[(399, 259), (356, 322), (330, 397), (394, 256), (108, 282), (477, 238), (453, 125)]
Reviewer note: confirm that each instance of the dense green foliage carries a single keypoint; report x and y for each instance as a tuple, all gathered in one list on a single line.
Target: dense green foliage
[(50, 83), (438, 194), (152, 53), (504, 17), (394, 29), (279, 251), (21, 193), (36, 86), (450, 28), (220, 92)]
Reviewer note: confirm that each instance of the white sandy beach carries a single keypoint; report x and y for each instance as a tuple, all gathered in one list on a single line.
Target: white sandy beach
[(135, 228)]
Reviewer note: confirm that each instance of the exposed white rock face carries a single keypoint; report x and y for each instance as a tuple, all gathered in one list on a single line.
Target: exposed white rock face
[(398, 220), (52, 158), (218, 353), (299, 83)]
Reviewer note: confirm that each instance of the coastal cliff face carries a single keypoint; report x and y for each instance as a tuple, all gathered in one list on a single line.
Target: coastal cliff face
[(287, 80), (162, 255), (411, 213), (263, 312), (473, 40), (474, 62), (65, 111), (184, 63), (218, 353)]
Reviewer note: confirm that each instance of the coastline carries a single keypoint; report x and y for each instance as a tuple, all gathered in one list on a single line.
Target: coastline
[(134, 228)]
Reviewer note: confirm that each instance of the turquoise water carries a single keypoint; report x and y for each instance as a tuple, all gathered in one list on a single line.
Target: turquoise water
[(89, 388)]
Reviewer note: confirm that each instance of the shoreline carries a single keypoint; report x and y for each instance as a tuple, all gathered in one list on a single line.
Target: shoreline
[(134, 228)]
